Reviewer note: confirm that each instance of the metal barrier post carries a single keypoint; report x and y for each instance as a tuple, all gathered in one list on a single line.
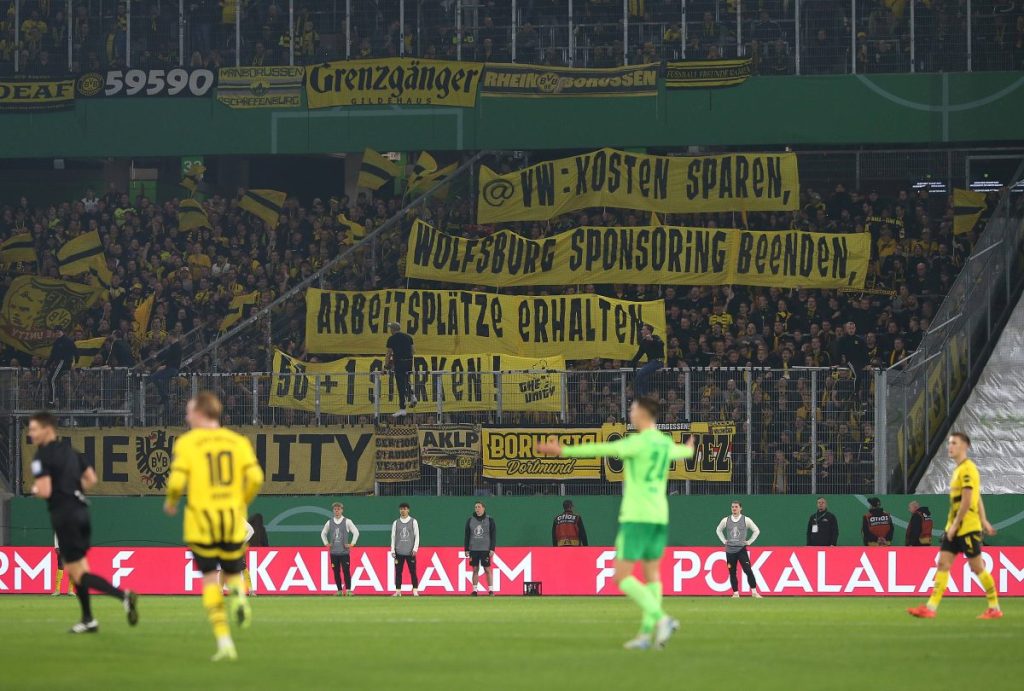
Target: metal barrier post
[(814, 431), (458, 29), (905, 461), (348, 29), (17, 35), (181, 31), (913, 38), (853, 36), (438, 394), (625, 32), (750, 431), (316, 397), (401, 28), (238, 35), (128, 35), (142, 399), (291, 31), (513, 30), (970, 42), (255, 399), (622, 393), (376, 394), (67, 13), (682, 32), (739, 31), (686, 396), (796, 36), (881, 432), (438, 472), (498, 395), (564, 379)]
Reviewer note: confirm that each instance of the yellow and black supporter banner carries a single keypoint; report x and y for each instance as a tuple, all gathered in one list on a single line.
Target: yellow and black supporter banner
[(393, 81), (240, 308), (508, 454), (541, 81), (88, 350), (266, 205), (398, 453), (656, 255), (968, 206), (33, 95), (19, 248), (626, 180), (706, 74), (578, 327), (33, 307), (296, 460), (350, 386), (712, 460), (261, 87), (450, 445)]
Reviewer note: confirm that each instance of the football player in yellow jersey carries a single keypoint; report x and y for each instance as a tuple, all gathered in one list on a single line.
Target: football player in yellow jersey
[(219, 470), (963, 532)]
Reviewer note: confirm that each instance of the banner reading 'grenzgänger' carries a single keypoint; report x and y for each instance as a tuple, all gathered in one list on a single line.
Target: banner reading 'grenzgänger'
[(621, 179), (393, 81), (657, 255), (445, 322)]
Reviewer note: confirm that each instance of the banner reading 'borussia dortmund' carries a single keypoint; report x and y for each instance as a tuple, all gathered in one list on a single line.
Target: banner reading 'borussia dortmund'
[(657, 255), (393, 81), (669, 184), (351, 386), (445, 322)]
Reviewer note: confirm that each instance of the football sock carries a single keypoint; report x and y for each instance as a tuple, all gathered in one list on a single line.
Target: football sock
[(643, 597), (941, 581), (989, 584), (647, 626), (60, 581), (248, 581), (213, 601), (100, 584), (234, 583), (83, 600)]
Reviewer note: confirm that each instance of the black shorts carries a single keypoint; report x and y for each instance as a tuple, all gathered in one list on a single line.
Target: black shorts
[(480, 559), (74, 533), (230, 557), (968, 544)]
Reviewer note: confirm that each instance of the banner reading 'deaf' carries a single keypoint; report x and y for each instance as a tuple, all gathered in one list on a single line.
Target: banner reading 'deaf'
[(393, 81), (348, 386), (625, 180), (654, 255), (296, 460), (790, 571), (442, 322)]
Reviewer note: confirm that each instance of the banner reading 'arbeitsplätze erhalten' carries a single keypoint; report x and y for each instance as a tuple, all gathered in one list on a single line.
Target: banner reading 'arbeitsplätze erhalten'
[(576, 327), (393, 81), (656, 255), (621, 179)]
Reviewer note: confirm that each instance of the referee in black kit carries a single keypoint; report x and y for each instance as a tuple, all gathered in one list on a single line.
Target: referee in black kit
[(61, 478)]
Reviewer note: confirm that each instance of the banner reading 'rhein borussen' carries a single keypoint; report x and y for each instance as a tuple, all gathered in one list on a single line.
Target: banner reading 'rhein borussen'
[(803, 571), (352, 386), (540, 81), (625, 180), (445, 322), (656, 255), (297, 460)]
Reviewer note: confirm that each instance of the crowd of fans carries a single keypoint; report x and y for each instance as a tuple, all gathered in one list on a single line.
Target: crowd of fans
[(100, 33), (715, 332)]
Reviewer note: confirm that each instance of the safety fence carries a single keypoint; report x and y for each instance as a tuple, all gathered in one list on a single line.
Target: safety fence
[(758, 431), (800, 37)]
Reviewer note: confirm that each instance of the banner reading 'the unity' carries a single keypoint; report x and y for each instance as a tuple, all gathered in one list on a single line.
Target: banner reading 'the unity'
[(621, 179), (576, 327), (656, 255)]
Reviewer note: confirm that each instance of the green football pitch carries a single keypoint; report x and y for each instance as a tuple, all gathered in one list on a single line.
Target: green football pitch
[(538, 643)]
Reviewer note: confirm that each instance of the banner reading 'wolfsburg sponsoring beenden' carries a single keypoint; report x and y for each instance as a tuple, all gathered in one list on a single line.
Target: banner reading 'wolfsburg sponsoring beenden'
[(657, 255), (620, 179), (393, 81), (446, 322)]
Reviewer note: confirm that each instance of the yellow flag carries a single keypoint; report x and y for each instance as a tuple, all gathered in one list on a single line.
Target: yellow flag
[(88, 349), (425, 174), (265, 204), (356, 231), (241, 307), (376, 170), (18, 248), (142, 314), (81, 254), (967, 209), (191, 215)]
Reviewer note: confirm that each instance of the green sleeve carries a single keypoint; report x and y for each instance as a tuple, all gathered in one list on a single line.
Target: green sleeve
[(620, 449), (680, 451)]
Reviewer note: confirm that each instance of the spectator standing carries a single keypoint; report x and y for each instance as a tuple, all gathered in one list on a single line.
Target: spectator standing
[(823, 527), (654, 348), (170, 365), (399, 360), (877, 526), (919, 529), (405, 543), (340, 535), (62, 357), (567, 529), (480, 540), (732, 531)]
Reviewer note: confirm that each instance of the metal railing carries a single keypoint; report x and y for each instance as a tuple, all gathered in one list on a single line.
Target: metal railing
[(801, 37), (925, 390), (798, 431)]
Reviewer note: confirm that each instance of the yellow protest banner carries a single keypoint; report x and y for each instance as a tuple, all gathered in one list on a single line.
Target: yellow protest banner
[(577, 327), (351, 386), (508, 454), (657, 255), (34, 306), (449, 445), (712, 460), (297, 460), (393, 81), (626, 180)]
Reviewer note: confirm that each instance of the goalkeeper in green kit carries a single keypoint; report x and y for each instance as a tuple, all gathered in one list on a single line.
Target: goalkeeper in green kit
[(643, 517)]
